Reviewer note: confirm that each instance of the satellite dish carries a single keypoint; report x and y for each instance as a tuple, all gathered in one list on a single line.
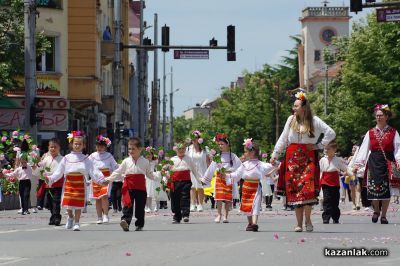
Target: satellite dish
[(204, 103)]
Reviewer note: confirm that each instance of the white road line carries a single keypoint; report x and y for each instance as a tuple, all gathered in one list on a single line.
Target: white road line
[(384, 262), (10, 260), (37, 230), (238, 242)]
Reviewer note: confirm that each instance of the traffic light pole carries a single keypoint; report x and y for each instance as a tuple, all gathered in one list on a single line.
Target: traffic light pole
[(153, 47), (30, 65)]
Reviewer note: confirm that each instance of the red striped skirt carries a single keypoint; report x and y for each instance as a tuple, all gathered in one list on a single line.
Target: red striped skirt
[(249, 191), (99, 191), (222, 190), (74, 191)]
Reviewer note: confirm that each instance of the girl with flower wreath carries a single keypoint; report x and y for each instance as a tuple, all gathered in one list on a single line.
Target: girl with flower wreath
[(299, 172), (252, 171), (380, 147), (150, 183), (76, 168), (105, 162), (199, 155), (225, 162)]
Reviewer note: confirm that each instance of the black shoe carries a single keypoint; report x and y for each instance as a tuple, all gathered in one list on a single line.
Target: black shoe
[(375, 217), (125, 226), (51, 222), (249, 227), (358, 208), (255, 227), (57, 222), (384, 220), (176, 221), (186, 219), (139, 228), (325, 221), (39, 208), (335, 221)]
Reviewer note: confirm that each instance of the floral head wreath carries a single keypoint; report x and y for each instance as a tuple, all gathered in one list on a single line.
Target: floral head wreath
[(221, 137), (195, 134), (100, 139), (73, 134), (300, 96), (248, 144), (382, 107)]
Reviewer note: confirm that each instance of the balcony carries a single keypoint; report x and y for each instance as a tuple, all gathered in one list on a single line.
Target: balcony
[(107, 52), (326, 12)]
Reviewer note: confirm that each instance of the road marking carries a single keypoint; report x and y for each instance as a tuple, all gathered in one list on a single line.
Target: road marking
[(10, 260), (385, 262), (238, 242), (38, 229)]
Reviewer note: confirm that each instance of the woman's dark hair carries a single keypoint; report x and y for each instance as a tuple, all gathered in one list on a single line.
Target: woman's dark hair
[(256, 149), (24, 146), (226, 141), (55, 141)]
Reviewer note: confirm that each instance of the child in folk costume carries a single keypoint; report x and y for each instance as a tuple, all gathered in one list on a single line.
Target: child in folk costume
[(133, 170), (24, 174), (252, 172), (49, 164), (229, 163), (105, 162), (150, 183), (75, 167), (180, 183), (330, 167)]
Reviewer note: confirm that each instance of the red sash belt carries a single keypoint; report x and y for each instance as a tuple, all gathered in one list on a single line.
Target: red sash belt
[(132, 181), (42, 188), (178, 176), (330, 179)]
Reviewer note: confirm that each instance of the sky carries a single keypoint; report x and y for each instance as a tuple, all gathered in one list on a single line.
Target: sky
[(263, 28)]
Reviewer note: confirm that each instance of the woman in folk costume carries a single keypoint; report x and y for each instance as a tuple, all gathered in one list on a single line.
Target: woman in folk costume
[(379, 149), (75, 167), (49, 164), (150, 183), (229, 163), (252, 172), (299, 174), (330, 167), (199, 155), (133, 171), (180, 183), (105, 162)]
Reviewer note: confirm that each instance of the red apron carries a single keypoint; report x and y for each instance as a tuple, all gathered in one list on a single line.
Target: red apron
[(222, 190), (74, 190), (98, 190), (249, 191)]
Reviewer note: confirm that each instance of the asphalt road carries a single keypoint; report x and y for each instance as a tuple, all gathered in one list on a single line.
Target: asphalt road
[(28, 240)]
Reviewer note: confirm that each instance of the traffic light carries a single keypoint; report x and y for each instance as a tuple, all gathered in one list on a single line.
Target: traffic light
[(165, 37), (146, 41), (231, 54), (119, 130), (35, 110), (213, 42), (356, 6)]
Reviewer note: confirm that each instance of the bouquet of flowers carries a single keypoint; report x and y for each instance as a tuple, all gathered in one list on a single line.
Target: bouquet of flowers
[(164, 166)]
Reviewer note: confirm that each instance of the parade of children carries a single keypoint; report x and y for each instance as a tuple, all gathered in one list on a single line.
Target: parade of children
[(149, 175)]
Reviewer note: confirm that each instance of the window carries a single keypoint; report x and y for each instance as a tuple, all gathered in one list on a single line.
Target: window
[(46, 62), (317, 55), (49, 3)]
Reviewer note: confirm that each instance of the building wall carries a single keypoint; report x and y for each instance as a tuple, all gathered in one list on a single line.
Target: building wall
[(54, 22)]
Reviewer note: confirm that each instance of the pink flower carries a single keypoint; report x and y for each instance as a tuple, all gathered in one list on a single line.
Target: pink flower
[(16, 149), (4, 139), (34, 154), (160, 153), (200, 141), (276, 237), (213, 152), (167, 158), (148, 149), (27, 136), (40, 164), (15, 133), (175, 148), (2, 157), (264, 155), (35, 148)]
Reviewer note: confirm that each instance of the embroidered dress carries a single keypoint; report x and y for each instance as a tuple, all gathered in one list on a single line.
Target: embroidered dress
[(299, 171), (252, 172), (76, 167), (223, 191), (106, 163), (378, 183)]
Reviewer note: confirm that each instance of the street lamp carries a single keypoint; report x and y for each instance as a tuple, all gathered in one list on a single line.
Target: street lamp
[(171, 109)]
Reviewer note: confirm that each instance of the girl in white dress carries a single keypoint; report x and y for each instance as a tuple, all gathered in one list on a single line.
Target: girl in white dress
[(150, 183), (200, 158)]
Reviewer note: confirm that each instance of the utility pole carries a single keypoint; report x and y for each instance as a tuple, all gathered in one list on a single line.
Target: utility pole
[(30, 64), (142, 99), (164, 117), (277, 122), (326, 91), (117, 74), (171, 110), (155, 90)]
